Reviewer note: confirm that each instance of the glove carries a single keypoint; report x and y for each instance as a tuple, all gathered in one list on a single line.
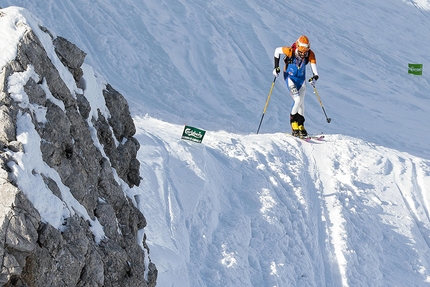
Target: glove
[(276, 71), (313, 80)]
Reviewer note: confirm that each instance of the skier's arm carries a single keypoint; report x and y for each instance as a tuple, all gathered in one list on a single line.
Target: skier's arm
[(278, 52), (281, 50), (314, 69)]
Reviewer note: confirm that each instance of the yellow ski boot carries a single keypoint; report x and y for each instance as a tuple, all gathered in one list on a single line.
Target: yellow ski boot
[(302, 131), (295, 128)]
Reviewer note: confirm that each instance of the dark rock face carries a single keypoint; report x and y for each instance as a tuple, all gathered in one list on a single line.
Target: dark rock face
[(35, 253)]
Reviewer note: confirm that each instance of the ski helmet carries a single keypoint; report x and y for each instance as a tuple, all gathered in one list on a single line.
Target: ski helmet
[(302, 46)]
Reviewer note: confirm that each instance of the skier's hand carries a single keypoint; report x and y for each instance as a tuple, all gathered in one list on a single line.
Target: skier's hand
[(276, 71), (313, 80)]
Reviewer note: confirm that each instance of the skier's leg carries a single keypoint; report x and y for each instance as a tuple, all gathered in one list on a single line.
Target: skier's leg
[(301, 111), (301, 105), (295, 108)]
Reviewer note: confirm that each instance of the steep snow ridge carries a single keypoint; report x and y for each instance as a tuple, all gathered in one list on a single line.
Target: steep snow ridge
[(341, 212)]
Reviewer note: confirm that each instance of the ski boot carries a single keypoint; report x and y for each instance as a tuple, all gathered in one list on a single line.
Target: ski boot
[(302, 131), (295, 128)]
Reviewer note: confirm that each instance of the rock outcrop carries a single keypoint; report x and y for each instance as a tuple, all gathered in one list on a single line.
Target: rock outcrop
[(86, 160)]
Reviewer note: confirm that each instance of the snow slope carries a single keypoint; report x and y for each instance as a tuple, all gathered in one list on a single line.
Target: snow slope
[(242, 209), (275, 211)]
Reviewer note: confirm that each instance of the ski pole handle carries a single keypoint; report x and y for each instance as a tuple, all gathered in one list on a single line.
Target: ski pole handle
[(312, 82)]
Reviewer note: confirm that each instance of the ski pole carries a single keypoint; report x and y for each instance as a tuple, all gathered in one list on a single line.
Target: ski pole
[(321, 104), (267, 103)]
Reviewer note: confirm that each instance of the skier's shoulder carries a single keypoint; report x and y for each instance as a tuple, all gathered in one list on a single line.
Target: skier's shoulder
[(287, 51), (311, 57)]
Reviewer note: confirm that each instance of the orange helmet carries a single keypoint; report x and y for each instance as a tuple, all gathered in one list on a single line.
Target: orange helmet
[(303, 45)]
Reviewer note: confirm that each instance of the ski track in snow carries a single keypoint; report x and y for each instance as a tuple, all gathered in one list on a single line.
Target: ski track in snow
[(351, 196)]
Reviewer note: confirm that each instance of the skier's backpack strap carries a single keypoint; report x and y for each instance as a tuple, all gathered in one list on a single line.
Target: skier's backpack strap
[(289, 60)]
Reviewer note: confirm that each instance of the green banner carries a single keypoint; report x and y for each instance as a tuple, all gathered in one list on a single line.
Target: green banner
[(415, 69), (193, 134)]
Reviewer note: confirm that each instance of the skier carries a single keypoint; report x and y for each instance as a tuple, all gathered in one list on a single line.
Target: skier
[(296, 58)]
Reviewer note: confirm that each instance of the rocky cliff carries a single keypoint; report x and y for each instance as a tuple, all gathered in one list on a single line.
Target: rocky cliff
[(68, 162)]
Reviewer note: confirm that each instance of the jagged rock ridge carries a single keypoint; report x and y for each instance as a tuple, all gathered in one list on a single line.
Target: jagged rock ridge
[(88, 161)]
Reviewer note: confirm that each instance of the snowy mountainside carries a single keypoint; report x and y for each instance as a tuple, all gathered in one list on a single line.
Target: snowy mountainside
[(271, 210), (266, 210)]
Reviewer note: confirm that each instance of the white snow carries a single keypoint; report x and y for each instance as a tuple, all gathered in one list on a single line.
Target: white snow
[(243, 209)]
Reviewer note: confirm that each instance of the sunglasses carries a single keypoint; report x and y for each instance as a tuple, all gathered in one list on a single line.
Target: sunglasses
[(303, 48)]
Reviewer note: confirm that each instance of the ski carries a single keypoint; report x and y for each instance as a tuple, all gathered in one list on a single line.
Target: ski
[(318, 137), (309, 138), (306, 139)]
